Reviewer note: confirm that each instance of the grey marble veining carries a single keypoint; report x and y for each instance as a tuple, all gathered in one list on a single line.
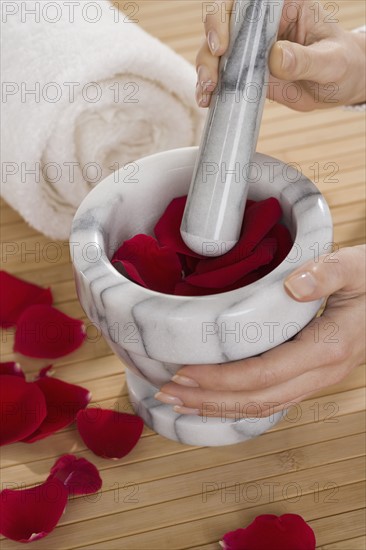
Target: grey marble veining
[(155, 334), (220, 182)]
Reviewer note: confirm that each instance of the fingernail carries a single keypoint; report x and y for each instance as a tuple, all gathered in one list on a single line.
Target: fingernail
[(288, 58), (208, 86), (185, 381), (167, 398), (204, 86), (301, 285), (205, 100), (185, 410), (199, 97), (213, 41), (204, 77)]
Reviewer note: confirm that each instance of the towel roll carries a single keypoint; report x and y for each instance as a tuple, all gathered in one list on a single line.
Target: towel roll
[(85, 91)]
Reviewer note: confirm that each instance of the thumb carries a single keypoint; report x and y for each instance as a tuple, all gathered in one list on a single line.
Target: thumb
[(292, 61), (342, 271)]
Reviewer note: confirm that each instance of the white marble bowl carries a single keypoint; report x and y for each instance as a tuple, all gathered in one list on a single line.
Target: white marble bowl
[(155, 334)]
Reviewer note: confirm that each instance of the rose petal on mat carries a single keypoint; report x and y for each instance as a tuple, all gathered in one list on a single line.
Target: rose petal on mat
[(79, 476), (151, 265), (45, 332), (63, 401), (270, 532), (45, 371), (22, 408), (16, 295), (11, 368), (108, 433), (167, 229), (27, 515)]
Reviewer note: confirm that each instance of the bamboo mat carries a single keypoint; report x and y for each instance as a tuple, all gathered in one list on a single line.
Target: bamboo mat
[(164, 495)]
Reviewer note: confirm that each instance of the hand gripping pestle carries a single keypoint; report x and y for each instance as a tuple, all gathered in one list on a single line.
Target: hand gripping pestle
[(215, 206)]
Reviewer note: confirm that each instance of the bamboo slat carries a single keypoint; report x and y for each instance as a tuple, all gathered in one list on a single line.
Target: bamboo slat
[(168, 496)]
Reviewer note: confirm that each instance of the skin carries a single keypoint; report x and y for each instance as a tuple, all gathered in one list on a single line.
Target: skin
[(322, 354), (325, 62), (330, 346)]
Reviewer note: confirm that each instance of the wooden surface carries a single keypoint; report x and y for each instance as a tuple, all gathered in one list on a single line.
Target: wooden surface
[(168, 496)]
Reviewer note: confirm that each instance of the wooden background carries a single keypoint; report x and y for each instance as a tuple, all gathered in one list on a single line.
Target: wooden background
[(157, 497)]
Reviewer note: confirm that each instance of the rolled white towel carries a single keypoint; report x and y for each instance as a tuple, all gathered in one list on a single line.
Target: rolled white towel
[(85, 91)]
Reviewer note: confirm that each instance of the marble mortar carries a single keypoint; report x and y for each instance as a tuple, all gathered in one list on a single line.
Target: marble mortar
[(155, 334)]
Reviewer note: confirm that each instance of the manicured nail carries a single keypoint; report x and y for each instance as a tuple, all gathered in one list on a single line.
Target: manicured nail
[(185, 410), (213, 41), (205, 100), (202, 100), (167, 398), (199, 96), (207, 85), (301, 285), (203, 76), (204, 85), (185, 381), (288, 58)]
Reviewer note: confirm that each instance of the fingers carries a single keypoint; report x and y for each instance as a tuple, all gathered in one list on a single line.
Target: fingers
[(249, 404), (207, 75), (341, 272), (314, 347), (290, 61), (216, 17), (322, 354)]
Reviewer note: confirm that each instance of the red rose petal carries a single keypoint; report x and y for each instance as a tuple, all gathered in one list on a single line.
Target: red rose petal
[(63, 401), (284, 245), (129, 270), (45, 332), (263, 245), (167, 230), (267, 532), (259, 219), (79, 476), (108, 433), (228, 275), (22, 408), (186, 289), (45, 371), (155, 267), (189, 264), (30, 514), (16, 295), (11, 368)]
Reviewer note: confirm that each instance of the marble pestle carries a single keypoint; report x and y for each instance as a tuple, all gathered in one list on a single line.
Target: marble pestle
[(216, 201)]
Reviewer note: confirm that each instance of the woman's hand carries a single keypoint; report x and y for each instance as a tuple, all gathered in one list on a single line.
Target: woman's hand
[(315, 64), (322, 354)]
